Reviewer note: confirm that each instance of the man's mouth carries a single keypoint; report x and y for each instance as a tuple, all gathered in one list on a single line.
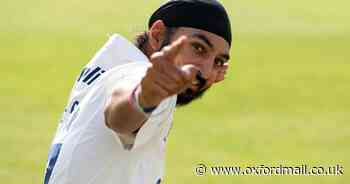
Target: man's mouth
[(200, 82), (196, 83)]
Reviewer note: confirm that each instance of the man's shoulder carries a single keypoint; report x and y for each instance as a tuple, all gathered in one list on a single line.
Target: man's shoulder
[(117, 51), (127, 71)]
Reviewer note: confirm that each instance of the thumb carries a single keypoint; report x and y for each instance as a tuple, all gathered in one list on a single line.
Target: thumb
[(190, 72)]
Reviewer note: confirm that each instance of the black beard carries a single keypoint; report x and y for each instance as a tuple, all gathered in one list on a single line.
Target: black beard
[(188, 96)]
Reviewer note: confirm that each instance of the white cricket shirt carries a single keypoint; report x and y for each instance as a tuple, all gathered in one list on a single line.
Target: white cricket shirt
[(84, 150)]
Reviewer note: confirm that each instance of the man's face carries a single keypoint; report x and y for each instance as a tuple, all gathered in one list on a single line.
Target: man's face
[(206, 51)]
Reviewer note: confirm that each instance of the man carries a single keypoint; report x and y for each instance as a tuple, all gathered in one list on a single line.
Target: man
[(115, 125)]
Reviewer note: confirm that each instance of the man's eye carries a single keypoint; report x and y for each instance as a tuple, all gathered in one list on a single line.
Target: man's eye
[(219, 62), (199, 48)]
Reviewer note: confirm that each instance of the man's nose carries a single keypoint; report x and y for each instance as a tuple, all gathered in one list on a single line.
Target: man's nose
[(206, 69)]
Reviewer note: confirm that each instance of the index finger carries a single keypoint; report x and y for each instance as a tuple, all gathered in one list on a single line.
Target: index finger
[(173, 49)]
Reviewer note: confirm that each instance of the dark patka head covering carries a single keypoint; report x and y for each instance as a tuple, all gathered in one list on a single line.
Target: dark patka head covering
[(208, 15)]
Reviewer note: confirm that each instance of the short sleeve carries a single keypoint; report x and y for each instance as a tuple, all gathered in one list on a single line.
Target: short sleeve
[(160, 118)]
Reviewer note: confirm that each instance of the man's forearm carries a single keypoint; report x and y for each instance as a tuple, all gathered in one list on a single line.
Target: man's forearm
[(162, 80), (120, 115)]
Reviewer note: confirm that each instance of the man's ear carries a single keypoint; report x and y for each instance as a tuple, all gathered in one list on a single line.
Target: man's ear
[(157, 35)]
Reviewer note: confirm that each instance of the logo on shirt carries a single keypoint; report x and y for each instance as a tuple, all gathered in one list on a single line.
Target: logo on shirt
[(89, 75)]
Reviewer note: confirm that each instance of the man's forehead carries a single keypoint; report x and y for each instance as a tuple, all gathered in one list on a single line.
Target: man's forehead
[(215, 41)]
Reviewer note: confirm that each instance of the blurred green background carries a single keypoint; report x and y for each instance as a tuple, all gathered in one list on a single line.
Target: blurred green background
[(286, 99)]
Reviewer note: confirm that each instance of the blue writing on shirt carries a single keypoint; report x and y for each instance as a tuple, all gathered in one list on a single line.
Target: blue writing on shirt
[(89, 75)]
